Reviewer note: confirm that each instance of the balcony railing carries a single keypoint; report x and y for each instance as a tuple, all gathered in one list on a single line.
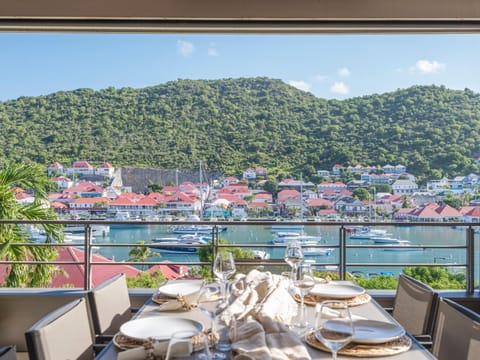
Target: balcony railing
[(344, 248)]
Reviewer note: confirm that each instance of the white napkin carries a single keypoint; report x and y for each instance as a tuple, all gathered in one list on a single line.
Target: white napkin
[(183, 302), (329, 313), (263, 307), (159, 349)]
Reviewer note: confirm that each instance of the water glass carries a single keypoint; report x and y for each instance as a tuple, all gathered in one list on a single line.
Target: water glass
[(304, 281), (224, 268), (333, 325), (293, 254)]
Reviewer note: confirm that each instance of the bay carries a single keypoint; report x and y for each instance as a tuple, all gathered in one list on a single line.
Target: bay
[(260, 234)]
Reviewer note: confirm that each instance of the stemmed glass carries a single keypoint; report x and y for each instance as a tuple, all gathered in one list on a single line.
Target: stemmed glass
[(334, 326), (304, 281), (223, 268), (207, 303), (293, 254)]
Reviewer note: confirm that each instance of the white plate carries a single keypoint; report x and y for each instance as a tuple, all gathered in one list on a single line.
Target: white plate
[(158, 327), (337, 291), (182, 288), (376, 332)]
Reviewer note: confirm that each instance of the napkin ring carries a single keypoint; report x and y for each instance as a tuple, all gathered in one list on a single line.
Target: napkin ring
[(149, 349), (185, 305)]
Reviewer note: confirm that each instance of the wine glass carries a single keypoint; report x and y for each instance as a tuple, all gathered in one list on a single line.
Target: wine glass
[(182, 343), (207, 303), (304, 281), (334, 326), (293, 254), (223, 268)]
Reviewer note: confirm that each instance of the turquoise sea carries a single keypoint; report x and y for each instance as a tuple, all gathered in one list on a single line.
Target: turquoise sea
[(260, 234)]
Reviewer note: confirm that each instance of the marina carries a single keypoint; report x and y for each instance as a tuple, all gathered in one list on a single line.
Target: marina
[(259, 236)]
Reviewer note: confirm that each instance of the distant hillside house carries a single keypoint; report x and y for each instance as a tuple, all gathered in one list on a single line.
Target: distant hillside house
[(351, 207), (81, 167), (323, 173), (399, 169), (134, 204), (261, 171), (295, 184), (62, 182), (376, 179), (404, 187), (89, 205), (335, 187), (434, 212), (249, 174), (230, 180), (85, 189)]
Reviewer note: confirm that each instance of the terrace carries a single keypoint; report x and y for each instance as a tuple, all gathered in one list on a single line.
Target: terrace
[(14, 301), (24, 306)]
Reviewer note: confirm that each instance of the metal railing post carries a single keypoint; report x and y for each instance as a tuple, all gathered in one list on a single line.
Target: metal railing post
[(470, 260), (343, 252), (87, 285)]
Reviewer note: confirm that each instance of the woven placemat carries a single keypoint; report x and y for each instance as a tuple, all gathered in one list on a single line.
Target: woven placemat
[(393, 347), (312, 300), (124, 342)]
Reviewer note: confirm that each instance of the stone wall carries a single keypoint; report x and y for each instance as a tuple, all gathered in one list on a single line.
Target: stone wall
[(139, 178)]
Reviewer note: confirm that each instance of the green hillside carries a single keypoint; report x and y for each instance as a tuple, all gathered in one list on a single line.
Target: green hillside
[(231, 124)]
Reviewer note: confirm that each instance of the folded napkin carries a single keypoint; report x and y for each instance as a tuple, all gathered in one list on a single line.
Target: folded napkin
[(261, 310), (153, 349), (329, 313)]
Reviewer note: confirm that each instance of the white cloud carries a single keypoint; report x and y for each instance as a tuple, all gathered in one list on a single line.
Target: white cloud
[(344, 72), (213, 52), (185, 48), (428, 67), (340, 87), (300, 84)]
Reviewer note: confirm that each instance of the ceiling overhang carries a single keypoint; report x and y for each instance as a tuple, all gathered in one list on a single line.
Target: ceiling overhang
[(241, 16)]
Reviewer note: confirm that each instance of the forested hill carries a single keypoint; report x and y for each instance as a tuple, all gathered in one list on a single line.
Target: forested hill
[(232, 124)]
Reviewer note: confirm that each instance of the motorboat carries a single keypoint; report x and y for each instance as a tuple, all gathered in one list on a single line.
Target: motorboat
[(368, 234), (389, 240), (196, 229), (171, 244), (315, 251), (302, 239)]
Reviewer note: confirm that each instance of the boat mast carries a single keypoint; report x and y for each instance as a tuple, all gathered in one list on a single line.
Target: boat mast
[(200, 188)]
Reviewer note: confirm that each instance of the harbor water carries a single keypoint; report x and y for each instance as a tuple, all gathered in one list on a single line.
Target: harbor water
[(260, 234)]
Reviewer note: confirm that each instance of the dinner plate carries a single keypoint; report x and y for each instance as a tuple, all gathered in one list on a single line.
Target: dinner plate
[(337, 291), (182, 288), (158, 327), (376, 332)]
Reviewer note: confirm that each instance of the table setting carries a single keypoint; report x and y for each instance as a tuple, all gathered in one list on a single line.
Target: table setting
[(260, 315)]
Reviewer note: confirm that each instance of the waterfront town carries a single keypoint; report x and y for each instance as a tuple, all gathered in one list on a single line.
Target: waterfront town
[(87, 191)]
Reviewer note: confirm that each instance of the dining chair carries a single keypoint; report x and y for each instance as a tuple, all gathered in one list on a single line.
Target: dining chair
[(456, 333), (414, 307), (65, 333), (110, 306), (8, 352)]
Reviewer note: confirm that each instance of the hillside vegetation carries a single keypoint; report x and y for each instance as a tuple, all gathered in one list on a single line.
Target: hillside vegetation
[(232, 124)]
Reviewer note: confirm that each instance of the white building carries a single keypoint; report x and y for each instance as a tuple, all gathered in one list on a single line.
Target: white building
[(404, 187)]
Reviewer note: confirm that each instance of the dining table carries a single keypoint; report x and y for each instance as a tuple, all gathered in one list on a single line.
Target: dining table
[(370, 310)]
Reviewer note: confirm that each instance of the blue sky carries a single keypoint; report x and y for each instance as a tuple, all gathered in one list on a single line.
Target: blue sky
[(329, 66)]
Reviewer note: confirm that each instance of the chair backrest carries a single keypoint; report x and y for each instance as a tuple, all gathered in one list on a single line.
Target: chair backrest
[(110, 305), (8, 352), (415, 305), (65, 333), (457, 332)]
